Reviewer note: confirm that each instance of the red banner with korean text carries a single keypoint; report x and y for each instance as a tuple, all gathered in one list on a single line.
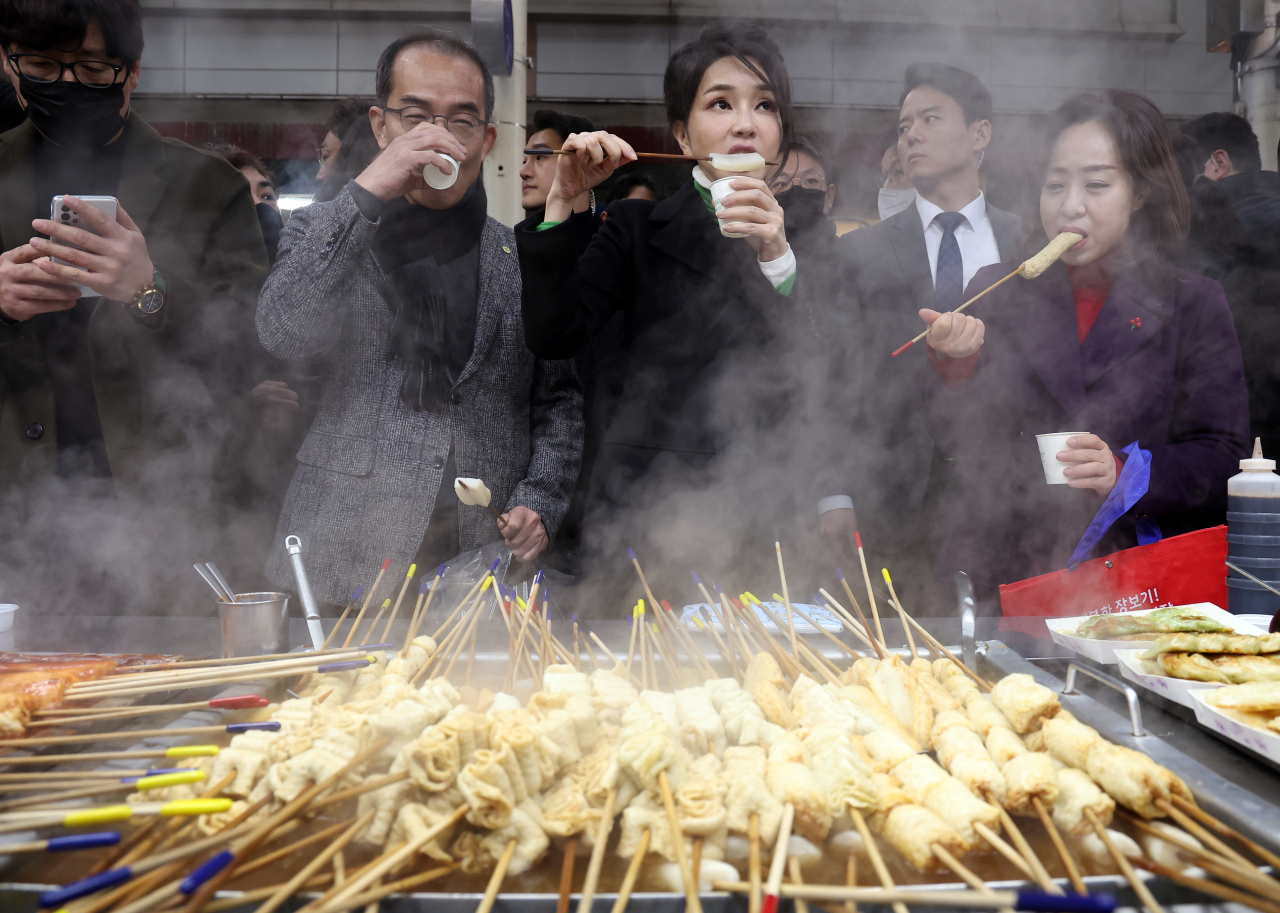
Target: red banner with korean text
[(1177, 571)]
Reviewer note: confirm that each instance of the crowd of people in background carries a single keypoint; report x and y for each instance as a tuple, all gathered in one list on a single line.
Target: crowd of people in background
[(697, 374)]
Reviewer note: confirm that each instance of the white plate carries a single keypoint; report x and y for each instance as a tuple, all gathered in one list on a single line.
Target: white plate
[(1104, 651), (1175, 689), (1263, 741), (823, 616)]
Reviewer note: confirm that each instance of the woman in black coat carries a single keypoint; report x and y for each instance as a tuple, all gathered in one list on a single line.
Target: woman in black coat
[(1112, 341), (686, 470)]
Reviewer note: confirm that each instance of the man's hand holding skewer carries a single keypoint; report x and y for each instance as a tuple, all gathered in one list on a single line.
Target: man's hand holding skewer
[(953, 335), (595, 157)]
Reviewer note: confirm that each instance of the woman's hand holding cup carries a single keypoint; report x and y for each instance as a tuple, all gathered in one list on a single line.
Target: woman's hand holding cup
[(750, 210), (594, 156), (953, 335), (1091, 463)]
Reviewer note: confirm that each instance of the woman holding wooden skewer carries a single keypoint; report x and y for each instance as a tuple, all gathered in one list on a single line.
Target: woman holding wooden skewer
[(704, 287), (1139, 356)]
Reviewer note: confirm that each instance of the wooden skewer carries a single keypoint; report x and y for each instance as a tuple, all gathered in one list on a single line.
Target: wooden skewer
[(1204, 817), (373, 625), (111, 687), (408, 578), (871, 596), (1205, 886), (319, 837), (779, 859), (499, 873), (937, 647), (420, 610), (902, 613), (923, 896), (851, 880), (633, 872), (793, 869), (587, 898), (786, 600), (860, 630), (644, 155), (591, 650), (1060, 846), (1017, 272), (459, 631), (524, 629), (827, 634), (566, 875), (187, 666), (355, 625), (120, 736), (471, 654), (943, 855), (609, 654), (866, 625), (475, 620), (696, 864), (631, 646), (873, 853), (1208, 839), (1211, 861), (825, 667), (90, 756), (739, 627), (384, 863), (1040, 873), (247, 897), (291, 809), (1122, 863), (692, 898), (764, 642), (676, 625), (333, 632), (126, 713), (753, 864), (1002, 847), (372, 897)]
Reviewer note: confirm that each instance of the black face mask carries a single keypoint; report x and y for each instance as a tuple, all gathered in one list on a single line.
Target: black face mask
[(70, 114), (802, 208)]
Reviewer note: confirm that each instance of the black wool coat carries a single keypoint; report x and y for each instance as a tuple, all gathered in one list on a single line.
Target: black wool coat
[(708, 395)]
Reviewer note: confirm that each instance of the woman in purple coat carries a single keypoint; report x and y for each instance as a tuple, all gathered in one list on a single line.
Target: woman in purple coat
[(1112, 341)]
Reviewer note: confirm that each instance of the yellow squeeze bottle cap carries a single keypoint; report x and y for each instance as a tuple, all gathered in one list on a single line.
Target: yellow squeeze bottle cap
[(158, 781), (192, 751), (194, 807), (101, 815)]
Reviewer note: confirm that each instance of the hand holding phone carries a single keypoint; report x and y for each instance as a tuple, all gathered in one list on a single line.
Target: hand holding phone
[(63, 214), (103, 254)]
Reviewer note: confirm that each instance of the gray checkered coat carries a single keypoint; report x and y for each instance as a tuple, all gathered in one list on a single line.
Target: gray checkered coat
[(369, 469)]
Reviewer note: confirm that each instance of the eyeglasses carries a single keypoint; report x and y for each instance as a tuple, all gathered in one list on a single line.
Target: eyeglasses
[(464, 127), (323, 155), (783, 183), (896, 175), (96, 74)]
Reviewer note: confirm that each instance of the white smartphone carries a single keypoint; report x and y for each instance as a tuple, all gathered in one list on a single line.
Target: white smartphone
[(63, 214)]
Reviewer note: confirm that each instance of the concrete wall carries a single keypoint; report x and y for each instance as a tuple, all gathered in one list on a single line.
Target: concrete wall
[(1032, 53)]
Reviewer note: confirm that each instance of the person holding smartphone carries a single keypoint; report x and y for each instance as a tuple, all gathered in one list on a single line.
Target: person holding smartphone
[(131, 383)]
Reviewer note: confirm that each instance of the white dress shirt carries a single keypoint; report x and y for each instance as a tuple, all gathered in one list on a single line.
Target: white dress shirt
[(975, 236)]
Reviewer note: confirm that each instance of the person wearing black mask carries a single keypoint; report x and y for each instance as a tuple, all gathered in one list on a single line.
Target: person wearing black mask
[(410, 295), (127, 386), (802, 189)]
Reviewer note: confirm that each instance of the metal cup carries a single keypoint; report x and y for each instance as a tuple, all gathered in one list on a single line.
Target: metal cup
[(255, 624)]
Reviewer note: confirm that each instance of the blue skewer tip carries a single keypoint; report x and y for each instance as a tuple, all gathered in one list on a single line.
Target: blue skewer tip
[(356, 594), (631, 553), (377, 646), (343, 667), (206, 870), (818, 600), (719, 589), (574, 619), (425, 583), (440, 571), (696, 578), (82, 841), (266, 725), (493, 567), (85, 886), (1040, 902), (538, 579), (840, 573), (156, 771)]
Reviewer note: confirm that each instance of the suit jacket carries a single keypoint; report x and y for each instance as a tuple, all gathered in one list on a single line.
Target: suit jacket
[(169, 389), (370, 469), (1161, 366), (706, 397), (886, 280)]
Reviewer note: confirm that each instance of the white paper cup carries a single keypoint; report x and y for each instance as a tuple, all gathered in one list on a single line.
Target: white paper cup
[(7, 612), (719, 190), (436, 178), (1050, 446)]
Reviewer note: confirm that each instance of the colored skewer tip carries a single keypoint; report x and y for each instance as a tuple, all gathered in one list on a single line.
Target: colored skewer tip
[(206, 870), (386, 564), (770, 904), (82, 841), (631, 553), (238, 702), (696, 578), (376, 647), (719, 589), (192, 751), (440, 571), (857, 538), (1041, 902), (666, 605), (574, 619), (356, 594), (884, 572), (412, 568), (386, 602), (422, 590), (493, 567)]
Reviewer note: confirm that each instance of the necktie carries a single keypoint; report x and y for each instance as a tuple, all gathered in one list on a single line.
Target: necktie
[(949, 285)]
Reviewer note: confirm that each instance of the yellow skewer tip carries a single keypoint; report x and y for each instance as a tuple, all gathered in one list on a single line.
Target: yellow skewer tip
[(386, 602), (192, 751), (159, 781), (777, 598), (412, 568), (487, 582), (884, 571), (698, 622), (194, 807), (103, 815)]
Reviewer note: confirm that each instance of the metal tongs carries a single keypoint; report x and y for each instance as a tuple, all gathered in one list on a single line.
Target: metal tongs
[(293, 545), (212, 576)]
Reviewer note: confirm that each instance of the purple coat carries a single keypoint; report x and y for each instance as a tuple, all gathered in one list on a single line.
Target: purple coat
[(1161, 366)]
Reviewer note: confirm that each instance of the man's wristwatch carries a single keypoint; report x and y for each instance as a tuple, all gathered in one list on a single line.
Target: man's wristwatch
[(150, 298)]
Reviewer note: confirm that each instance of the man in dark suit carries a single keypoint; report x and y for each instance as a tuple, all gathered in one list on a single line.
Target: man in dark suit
[(921, 257), (1234, 161)]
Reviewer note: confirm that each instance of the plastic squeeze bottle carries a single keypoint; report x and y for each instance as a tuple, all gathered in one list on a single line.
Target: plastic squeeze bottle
[(1253, 536), (1256, 489)]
